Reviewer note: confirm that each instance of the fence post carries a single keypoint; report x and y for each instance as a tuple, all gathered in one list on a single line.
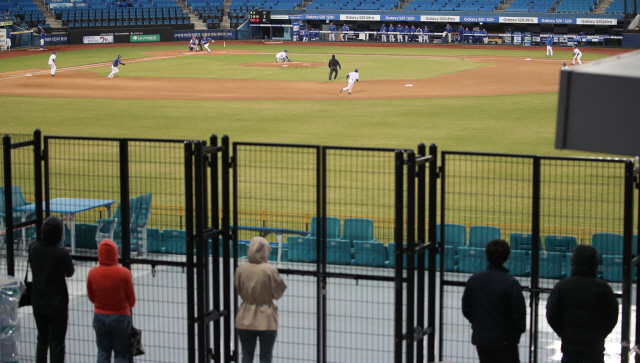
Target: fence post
[(398, 234), (125, 211), (8, 204), (321, 248), (188, 189), (626, 261), (411, 253), (215, 248), (433, 248), (421, 237), (197, 242), (535, 260), (226, 234), (37, 161)]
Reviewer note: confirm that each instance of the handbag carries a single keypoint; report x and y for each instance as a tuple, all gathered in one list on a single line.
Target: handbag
[(25, 299), (135, 342)]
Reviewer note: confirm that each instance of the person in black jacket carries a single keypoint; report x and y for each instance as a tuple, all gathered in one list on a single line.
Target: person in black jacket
[(494, 305), (582, 309), (50, 265), (333, 67)]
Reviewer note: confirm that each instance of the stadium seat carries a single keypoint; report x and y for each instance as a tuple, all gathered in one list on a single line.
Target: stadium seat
[(519, 263), (357, 229), (607, 244), (154, 240), (333, 227), (557, 243), (274, 253), (455, 235), (339, 252), (471, 260), (174, 241), (479, 236), (612, 268), (392, 256), (522, 242), (302, 249), (372, 254), (551, 265)]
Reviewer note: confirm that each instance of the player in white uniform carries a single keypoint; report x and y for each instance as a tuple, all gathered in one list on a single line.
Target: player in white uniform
[(351, 77), (280, 57), (52, 63), (205, 42), (565, 67), (577, 54)]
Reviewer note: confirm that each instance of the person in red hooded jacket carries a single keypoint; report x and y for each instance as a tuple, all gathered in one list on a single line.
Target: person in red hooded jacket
[(110, 289)]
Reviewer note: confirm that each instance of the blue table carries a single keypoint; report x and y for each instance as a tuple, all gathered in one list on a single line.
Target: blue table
[(264, 231), (69, 207)]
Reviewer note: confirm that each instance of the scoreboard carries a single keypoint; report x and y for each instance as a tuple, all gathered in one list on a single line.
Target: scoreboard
[(260, 17)]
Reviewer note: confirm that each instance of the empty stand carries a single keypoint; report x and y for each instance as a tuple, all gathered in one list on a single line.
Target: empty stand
[(479, 236)]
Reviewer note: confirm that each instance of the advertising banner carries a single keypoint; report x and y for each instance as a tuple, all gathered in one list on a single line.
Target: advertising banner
[(400, 17), (320, 16), (479, 19), (56, 39), (144, 38), (359, 17), (3, 39), (557, 21), (97, 39), (215, 34), (592, 21), (518, 20), (440, 18)]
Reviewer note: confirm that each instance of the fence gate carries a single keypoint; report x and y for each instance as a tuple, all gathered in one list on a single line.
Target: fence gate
[(22, 162), (207, 188)]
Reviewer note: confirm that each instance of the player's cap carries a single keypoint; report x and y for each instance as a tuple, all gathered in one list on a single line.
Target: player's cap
[(286, 50), (356, 69), (574, 46), (55, 51), (119, 56), (564, 64)]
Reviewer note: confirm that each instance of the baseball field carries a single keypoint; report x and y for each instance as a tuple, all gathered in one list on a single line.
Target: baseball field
[(471, 98)]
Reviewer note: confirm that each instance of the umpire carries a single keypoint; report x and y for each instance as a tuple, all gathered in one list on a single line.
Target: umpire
[(333, 66)]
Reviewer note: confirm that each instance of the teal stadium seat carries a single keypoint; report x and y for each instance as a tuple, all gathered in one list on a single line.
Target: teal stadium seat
[(455, 235), (372, 254), (612, 268), (607, 244), (519, 263), (174, 241), (357, 229), (154, 240), (551, 265), (471, 260), (479, 236), (339, 252), (557, 243), (302, 249), (522, 242)]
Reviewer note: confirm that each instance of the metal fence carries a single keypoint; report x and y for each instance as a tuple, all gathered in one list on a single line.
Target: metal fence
[(354, 233)]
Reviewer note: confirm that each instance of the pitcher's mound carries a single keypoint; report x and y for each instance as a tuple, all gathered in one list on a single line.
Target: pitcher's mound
[(285, 65)]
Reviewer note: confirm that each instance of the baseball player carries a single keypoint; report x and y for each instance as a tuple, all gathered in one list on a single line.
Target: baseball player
[(549, 44), (332, 33), (565, 67), (391, 31), (345, 31), (419, 34), (413, 33), (8, 42), (280, 57), (193, 44), (577, 54), (383, 31), (425, 34), (114, 66), (351, 77), (461, 33), (305, 35), (333, 67), (205, 42), (400, 30), (448, 29), (42, 35), (52, 63)]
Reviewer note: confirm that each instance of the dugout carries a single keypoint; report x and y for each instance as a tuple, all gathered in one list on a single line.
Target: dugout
[(120, 35)]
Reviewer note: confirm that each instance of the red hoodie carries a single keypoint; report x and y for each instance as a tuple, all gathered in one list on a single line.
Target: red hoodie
[(109, 286)]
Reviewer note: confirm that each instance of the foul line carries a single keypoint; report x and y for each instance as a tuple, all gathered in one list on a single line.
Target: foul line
[(87, 66)]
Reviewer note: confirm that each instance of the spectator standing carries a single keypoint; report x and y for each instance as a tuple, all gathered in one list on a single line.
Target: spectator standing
[(582, 309), (449, 30), (50, 265), (383, 31), (332, 32), (549, 44), (258, 283), (493, 302), (110, 289), (333, 67)]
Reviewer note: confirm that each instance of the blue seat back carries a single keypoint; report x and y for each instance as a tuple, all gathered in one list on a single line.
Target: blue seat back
[(522, 242), (557, 243), (551, 265), (154, 240), (471, 260), (357, 229), (338, 252), (607, 244), (519, 263), (455, 235), (174, 241), (392, 256), (612, 268), (479, 236), (373, 254), (333, 227), (302, 249)]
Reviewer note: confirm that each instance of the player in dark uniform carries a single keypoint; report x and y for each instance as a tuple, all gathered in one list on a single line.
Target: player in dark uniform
[(333, 66)]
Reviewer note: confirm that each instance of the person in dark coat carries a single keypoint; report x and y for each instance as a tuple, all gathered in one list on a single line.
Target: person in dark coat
[(333, 67), (494, 305), (582, 309), (50, 265)]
